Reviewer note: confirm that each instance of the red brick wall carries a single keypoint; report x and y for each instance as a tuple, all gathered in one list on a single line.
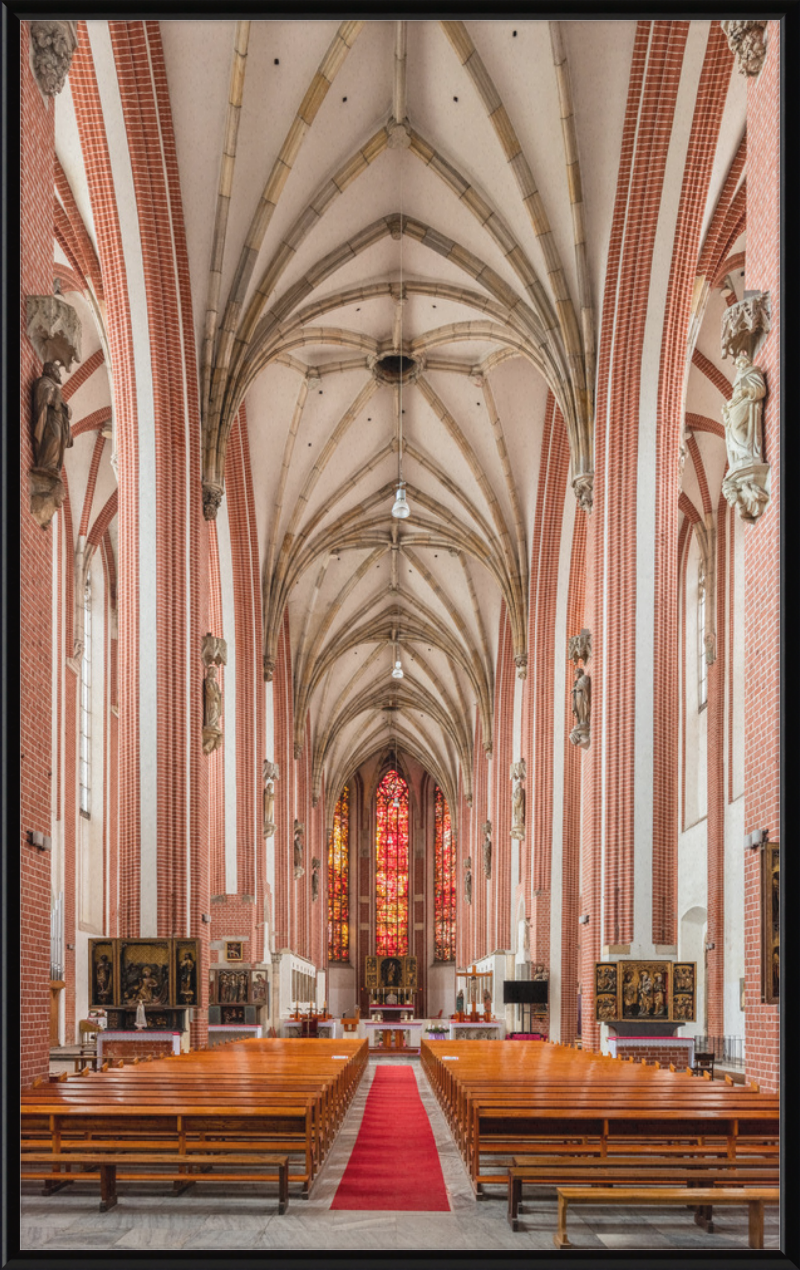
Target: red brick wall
[(762, 556), (36, 600)]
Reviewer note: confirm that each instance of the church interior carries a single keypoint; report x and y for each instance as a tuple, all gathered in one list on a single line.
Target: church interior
[(439, 768)]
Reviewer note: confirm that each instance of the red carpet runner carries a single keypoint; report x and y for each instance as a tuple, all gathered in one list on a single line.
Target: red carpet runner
[(395, 1164)]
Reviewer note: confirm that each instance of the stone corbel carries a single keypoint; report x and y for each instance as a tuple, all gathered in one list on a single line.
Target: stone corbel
[(746, 324), (583, 486), (746, 42), (521, 663), (212, 497), (52, 46), (269, 668)]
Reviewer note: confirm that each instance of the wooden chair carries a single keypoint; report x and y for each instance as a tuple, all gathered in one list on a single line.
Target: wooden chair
[(88, 1043), (703, 1062)]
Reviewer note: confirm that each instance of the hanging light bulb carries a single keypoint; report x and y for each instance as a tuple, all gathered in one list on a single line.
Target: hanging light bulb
[(400, 508)]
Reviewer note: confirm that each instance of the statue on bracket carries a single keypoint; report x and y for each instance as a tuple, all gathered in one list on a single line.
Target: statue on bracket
[(468, 880), (518, 774), (315, 867), (745, 483), (52, 435), (298, 849), (487, 849), (270, 772), (580, 649), (214, 653)]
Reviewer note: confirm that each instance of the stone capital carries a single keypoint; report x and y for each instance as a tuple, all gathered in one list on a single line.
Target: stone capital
[(747, 489), (212, 497)]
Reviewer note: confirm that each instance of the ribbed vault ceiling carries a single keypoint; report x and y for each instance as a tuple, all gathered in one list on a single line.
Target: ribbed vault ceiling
[(420, 189)]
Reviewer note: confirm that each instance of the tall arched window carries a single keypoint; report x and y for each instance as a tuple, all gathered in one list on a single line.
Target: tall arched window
[(391, 867), (85, 746), (702, 664), (444, 884), (338, 881)]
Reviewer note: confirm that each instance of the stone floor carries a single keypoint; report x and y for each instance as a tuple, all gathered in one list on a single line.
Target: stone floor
[(145, 1220)]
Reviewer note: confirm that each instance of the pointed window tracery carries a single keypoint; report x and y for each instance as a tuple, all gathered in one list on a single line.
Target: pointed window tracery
[(444, 879), (339, 880), (391, 867)]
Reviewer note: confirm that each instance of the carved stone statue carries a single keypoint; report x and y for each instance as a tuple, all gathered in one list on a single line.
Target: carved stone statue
[(51, 416), (487, 849), (298, 849), (581, 708), (518, 774), (468, 880), (315, 867), (187, 977), (745, 484), (51, 436), (214, 653), (539, 972), (271, 773), (212, 697)]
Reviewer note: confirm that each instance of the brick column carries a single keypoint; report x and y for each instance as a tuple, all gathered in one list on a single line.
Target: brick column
[(36, 589)]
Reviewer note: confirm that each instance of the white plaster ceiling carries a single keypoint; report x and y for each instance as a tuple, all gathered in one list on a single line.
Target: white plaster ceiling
[(333, 524)]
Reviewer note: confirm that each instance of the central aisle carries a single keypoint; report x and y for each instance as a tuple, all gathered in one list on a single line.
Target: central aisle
[(395, 1164)]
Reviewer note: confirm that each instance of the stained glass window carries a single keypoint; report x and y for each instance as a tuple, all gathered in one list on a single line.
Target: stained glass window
[(338, 880), (444, 884), (391, 867)]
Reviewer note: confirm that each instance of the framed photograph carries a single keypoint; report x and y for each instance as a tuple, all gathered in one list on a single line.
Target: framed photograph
[(770, 923), (233, 950)]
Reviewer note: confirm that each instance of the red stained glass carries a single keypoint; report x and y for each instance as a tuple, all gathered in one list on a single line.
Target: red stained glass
[(444, 883), (391, 867), (338, 881)]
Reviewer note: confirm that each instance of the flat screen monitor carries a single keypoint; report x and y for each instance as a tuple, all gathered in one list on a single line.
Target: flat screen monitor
[(525, 991)]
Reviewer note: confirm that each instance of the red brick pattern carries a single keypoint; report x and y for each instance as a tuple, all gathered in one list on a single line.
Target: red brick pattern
[(36, 546), (762, 557)]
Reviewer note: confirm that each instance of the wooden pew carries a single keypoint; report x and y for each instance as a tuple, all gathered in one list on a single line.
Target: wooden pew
[(754, 1197)]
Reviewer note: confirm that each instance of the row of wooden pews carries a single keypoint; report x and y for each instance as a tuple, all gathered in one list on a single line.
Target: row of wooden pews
[(254, 1110), (550, 1115)]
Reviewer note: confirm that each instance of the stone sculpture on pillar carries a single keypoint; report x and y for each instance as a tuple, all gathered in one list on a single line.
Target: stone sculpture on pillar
[(52, 45), (270, 772), (315, 867), (746, 42), (51, 436), (468, 880), (518, 799), (214, 653), (580, 649), (487, 849), (298, 849), (745, 326)]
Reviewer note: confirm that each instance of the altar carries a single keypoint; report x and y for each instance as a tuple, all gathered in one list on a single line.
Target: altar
[(330, 1028), (477, 1030), (388, 1036)]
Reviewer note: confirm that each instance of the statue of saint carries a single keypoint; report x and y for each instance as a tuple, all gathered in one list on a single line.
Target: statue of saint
[(581, 696), (742, 414), (628, 994), (51, 415), (187, 971), (487, 849), (645, 994), (103, 978), (460, 1001), (315, 866), (659, 995), (298, 849), (213, 699), (468, 880)]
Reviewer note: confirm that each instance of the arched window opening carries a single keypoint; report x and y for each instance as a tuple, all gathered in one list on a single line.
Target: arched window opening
[(339, 881), (391, 867), (702, 664), (85, 744), (444, 878)]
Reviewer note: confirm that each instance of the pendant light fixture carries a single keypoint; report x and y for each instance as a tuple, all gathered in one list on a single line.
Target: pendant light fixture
[(400, 508)]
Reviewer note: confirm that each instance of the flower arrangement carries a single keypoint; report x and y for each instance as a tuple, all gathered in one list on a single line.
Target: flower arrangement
[(436, 1029)]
